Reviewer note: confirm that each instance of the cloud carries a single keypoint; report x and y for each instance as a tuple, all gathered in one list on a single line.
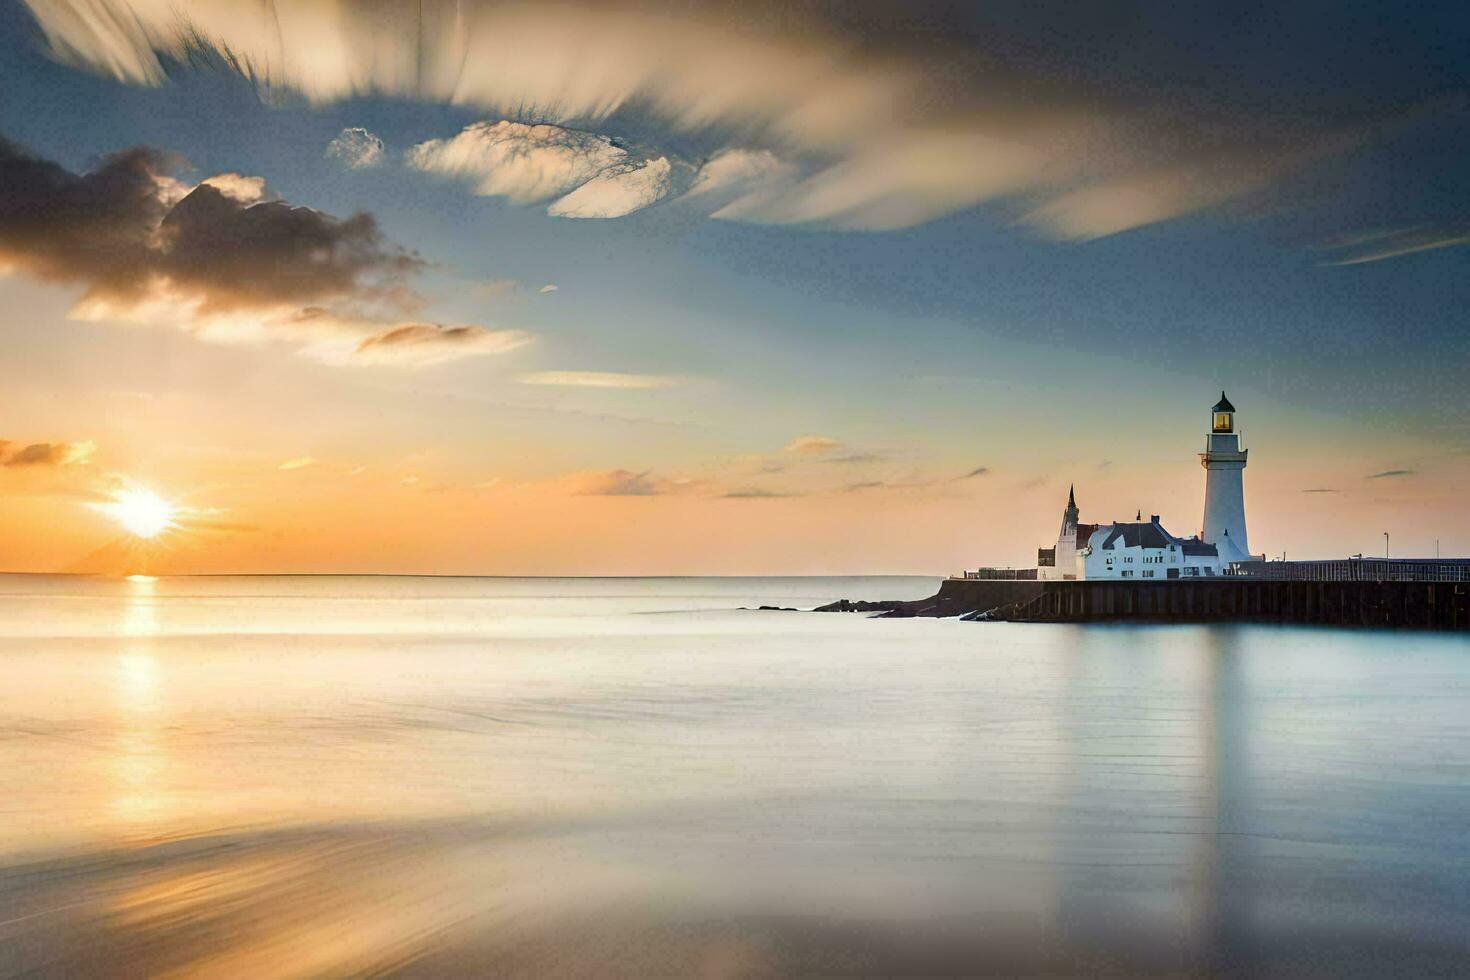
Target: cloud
[(853, 459), (977, 471), (357, 148), (757, 493), (740, 172), (617, 191), (1320, 490), (905, 114), (1392, 243), (423, 344), (1390, 473), (219, 260), (550, 287), (618, 483), (596, 379), (812, 445), (496, 288), (299, 463), (520, 162), (865, 485), (46, 453), (115, 231), (246, 190)]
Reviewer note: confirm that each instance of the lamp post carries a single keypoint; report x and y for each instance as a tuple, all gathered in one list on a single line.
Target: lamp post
[(1385, 544)]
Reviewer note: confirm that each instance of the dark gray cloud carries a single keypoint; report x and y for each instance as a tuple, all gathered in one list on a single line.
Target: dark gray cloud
[(219, 260), (865, 485), (977, 471), (1321, 490), (1390, 473), (122, 231)]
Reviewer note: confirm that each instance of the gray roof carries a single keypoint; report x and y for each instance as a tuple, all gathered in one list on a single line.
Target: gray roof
[(1144, 534), (1223, 405)]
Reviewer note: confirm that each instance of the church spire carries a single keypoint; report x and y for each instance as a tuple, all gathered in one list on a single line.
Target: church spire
[(1070, 515)]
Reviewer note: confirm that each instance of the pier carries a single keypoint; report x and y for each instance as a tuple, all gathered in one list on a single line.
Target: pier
[(1399, 604)]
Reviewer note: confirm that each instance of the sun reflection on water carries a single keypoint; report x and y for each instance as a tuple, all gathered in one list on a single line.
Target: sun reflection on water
[(139, 757)]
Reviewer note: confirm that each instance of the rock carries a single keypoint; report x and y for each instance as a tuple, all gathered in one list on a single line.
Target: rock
[(847, 605)]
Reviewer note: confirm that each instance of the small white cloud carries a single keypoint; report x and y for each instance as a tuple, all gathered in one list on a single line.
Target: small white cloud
[(299, 463), (357, 148), (617, 192), (550, 287), (597, 379), (523, 163)]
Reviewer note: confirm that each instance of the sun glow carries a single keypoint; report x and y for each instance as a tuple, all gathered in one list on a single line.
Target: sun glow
[(141, 512)]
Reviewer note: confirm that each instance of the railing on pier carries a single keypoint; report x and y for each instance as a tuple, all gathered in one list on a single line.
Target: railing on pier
[(1357, 570), (999, 574)]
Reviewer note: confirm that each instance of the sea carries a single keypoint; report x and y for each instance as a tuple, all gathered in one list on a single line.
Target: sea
[(629, 777)]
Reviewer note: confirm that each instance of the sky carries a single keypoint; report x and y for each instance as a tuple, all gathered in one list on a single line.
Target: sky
[(670, 288)]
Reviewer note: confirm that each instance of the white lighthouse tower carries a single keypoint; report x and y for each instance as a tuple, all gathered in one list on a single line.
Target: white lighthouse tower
[(1224, 463)]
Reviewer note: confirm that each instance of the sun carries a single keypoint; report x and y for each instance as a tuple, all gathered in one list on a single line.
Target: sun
[(141, 512)]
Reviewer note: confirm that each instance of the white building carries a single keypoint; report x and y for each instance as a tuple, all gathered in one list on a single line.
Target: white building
[(1144, 549)]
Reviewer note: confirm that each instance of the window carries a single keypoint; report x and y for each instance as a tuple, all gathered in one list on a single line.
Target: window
[(1222, 422), (1127, 574), (1149, 573)]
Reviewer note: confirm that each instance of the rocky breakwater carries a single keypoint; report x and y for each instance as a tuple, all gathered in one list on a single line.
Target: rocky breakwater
[(956, 597)]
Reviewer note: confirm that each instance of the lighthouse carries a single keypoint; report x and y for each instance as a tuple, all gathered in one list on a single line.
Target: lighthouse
[(1224, 463)]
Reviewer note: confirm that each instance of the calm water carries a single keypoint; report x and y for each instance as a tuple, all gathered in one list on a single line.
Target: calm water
[(325, 776)]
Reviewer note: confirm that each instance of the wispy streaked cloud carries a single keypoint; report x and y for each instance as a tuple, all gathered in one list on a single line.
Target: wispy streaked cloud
[(597, 379), (1390, 473), (1392, 243), (877, 126), (977, 471), (298, 463), (1321, 490), (550, 287)]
